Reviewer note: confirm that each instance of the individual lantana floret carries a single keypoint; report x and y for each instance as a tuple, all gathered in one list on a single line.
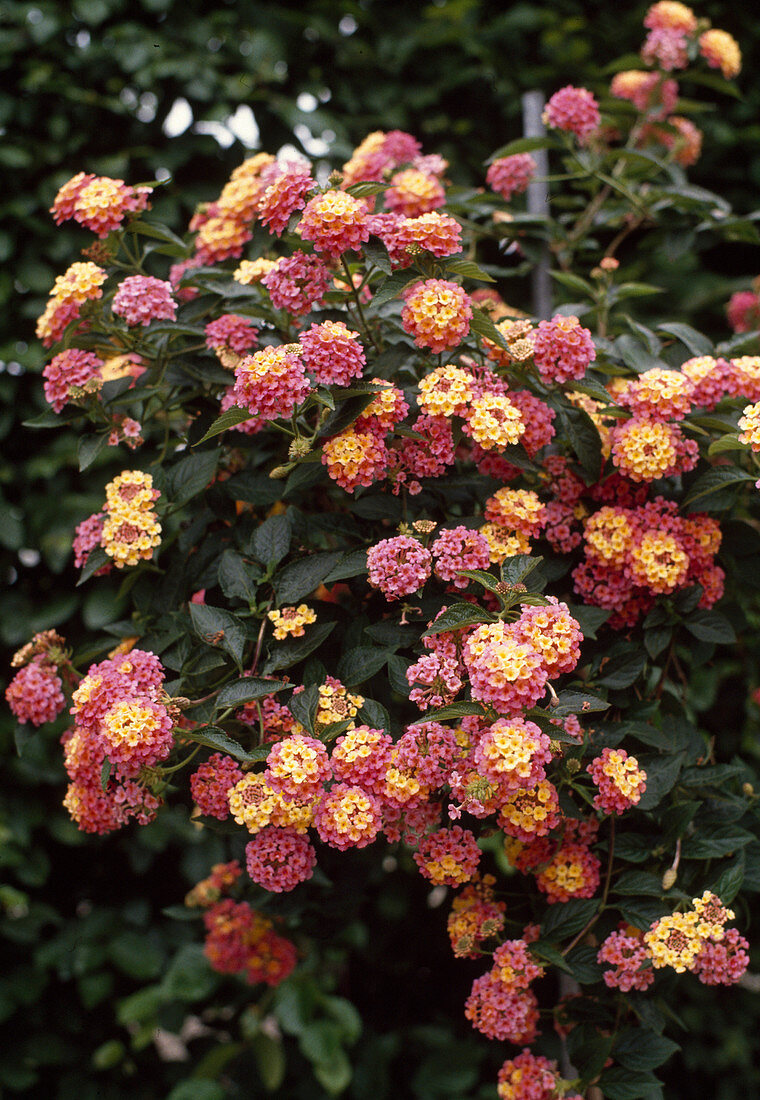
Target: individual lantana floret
[(456, 549), (272, 382), (626, 952), (336, 223), (510, 176), (619, 779), (290, 621), (210, 783), (141, 299), (279, 858), (574, 110), (446, 391), (721, 51), (398, 566), (355, 458), (448, 857), (332, 353), (437, 314), (562, 349)]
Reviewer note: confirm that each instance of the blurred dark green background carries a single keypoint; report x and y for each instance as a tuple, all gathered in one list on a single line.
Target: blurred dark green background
[(89, 86)]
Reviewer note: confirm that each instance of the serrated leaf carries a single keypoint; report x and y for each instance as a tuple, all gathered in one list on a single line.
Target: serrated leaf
[(244, 691), (486, 579), (713, 482), (377, 254), (270, 542), (584, 439), (375, 715), (96, 559), (218, 627), (228, 419), (351, 565), (696, 342), (392, 286), (724, 444), (639, 883), (710, 626), (214, 737), (303, 706), (236, 579), (564, 921), (456, 617), (640, 1049), (287, 654), (622, 671), (626, 1084), (662, 773), (468, 269), (573, 282), (300, 578), (358, 665), (578, 702), (482, 324), (729, 882), (453, 710), (191, 475), (720, 841)]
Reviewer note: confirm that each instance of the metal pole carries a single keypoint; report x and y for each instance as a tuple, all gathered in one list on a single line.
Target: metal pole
[(538, 202)]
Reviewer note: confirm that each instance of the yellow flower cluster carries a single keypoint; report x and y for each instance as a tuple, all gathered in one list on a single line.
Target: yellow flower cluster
[(336, 704), (677, 940), (446, 391), (749, 422), (503, 543), (252, 271), (129, 723), (673, 15), (527, 810), (658, 562), (80, 283), (644, 451), (254, 804), (516, 509), (494, 422), (608, 534), (131, 531), (722, 52), (291, 621)]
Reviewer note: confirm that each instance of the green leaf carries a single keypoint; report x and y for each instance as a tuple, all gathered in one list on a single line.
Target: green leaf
[(488, 580), (566, 920), (639, 882), (622, 671), (720, 841), (635, 290), (96, 559), (246, 690), (88, 449), (662, 773), (468, 270), (392, 286), (521, 145), (710, 626), (236, 578), (213, 737), (300, 578), (290, 653), (583, 965), (696, 342), (713, 483), (453, 710), (270, 542), (584, 439), (729, 882), (270, 1060), (228, 419), (375, 715), (105, 773), (519, 567), (365, 188), (220, 628), (641, 1049), (191, 475), (189, 977), (352, 565), (724, 444), (456, 616), (625, 1084), (358, 665), (482, 324), (303, 706), (589, 619), (577, 702), (574, 283), (158, 232), (377, 254)]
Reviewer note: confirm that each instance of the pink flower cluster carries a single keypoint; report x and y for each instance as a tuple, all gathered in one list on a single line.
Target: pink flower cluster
[(98, 202), (66, 370), (284, 196), (398, 566), (574, 110), (279, 858), (210, 783), (35, 693), (510, 176), (272, 382), (448, 857), (140, 299), (626, 951), (238, 939), (297, 282), (562, 349), (232, 331), (459, 548), (332, 353)]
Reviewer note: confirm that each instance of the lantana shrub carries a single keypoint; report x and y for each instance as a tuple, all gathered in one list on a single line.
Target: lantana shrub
[(414, 574)]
